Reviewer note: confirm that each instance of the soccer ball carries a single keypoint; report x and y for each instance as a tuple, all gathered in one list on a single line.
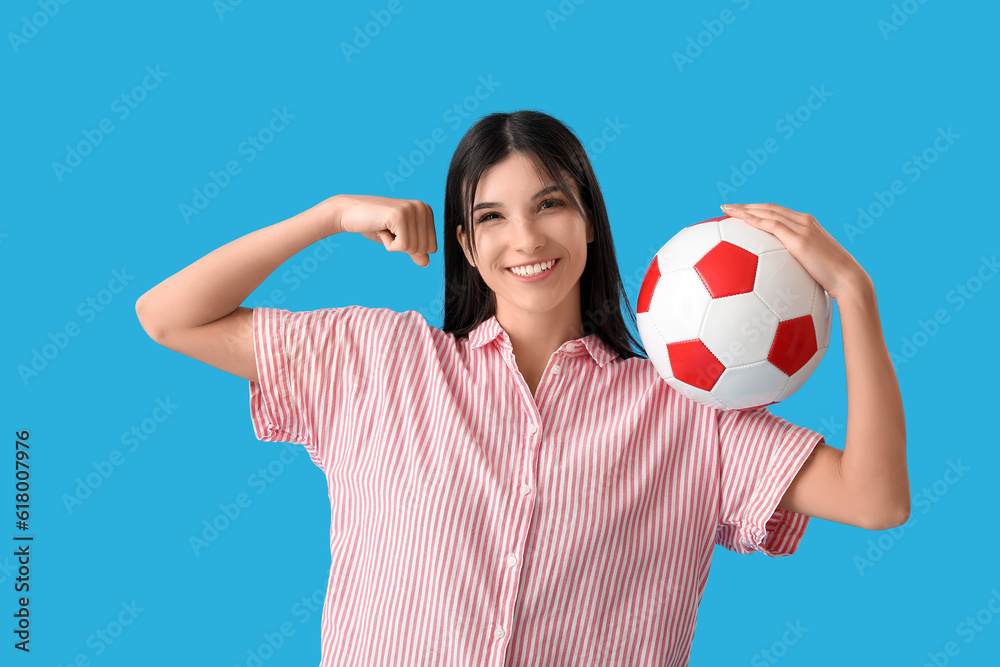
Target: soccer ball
[(729, 318)]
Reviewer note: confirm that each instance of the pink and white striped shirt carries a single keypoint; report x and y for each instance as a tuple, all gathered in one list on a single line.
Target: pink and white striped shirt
[(474, 524)]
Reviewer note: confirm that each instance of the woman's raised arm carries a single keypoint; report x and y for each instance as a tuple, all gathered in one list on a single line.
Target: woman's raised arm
[(197, 311)]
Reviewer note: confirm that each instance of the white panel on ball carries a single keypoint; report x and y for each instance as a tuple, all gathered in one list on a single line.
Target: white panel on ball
[(750, 386), (679, 301), (653, 343), (784, 285), (696, 394), (737, 330), (688, 246), (822, 313), (741, 234), (800, 376)]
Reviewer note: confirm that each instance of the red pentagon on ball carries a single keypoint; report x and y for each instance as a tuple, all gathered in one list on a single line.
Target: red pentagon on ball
[(727, 270), (794, 344), (692, 362), (648, 285)]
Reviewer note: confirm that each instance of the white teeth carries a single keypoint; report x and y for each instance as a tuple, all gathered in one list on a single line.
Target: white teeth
[(534, 269)]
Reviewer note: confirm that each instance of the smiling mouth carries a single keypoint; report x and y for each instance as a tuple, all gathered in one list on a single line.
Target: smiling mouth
[(551, 266)]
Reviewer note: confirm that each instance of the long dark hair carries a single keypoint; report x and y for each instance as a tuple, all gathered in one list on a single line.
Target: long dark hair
[(468, 300)]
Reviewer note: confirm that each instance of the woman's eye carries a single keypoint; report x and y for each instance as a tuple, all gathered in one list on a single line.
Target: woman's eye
[(555, 202)]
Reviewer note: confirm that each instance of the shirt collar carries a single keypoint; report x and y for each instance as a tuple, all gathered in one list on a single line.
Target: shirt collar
[(490, 330)]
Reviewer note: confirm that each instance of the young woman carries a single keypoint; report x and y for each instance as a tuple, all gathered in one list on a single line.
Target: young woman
[(520, 487)]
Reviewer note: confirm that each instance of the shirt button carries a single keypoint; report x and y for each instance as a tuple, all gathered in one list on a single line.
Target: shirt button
[(512, 560), (532, 428), (498, 633), (555, 370), (525, 489)]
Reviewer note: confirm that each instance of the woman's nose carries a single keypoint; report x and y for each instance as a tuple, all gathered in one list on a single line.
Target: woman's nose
[(526, 235)]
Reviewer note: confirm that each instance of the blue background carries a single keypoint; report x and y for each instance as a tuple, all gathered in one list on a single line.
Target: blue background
[(683, 127)]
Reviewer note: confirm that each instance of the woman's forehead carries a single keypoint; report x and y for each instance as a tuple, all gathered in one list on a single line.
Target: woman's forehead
[(535, 177)]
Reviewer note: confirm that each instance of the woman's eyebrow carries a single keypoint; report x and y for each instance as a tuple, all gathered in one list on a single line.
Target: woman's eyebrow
[(494, 204)]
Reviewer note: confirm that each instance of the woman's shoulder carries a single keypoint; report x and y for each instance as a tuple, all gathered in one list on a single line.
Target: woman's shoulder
[(346, 323), (353, 313)]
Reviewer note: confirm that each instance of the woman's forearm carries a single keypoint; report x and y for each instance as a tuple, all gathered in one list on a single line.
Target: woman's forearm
[(219, 282)]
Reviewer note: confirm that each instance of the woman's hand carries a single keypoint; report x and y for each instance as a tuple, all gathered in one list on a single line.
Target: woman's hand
[(866, 484), (813, 247), (401, 225)]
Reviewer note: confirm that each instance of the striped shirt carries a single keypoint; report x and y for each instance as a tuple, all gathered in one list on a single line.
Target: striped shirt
[(475, 524)]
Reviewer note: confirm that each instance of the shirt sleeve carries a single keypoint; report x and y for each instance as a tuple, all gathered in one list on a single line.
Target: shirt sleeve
[(311, 368), (760, 454)]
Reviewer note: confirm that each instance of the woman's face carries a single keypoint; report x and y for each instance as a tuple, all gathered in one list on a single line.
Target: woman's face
[(516, 220)]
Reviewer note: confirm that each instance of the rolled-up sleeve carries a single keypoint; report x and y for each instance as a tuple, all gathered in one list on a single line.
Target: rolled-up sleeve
[(759, 455), (274, 406), (320, 372), (308, 365)]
